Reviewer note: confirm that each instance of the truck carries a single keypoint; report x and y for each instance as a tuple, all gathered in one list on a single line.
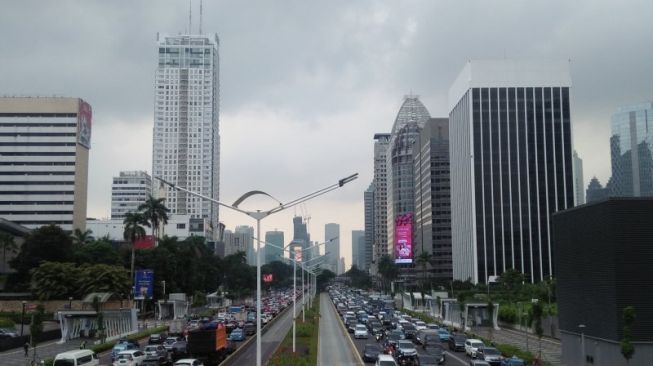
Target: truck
[(177, 327), (209, 344)]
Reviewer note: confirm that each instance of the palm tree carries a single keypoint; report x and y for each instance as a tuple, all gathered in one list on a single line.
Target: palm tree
[(387, 269), (7, 244), (155, 212), (422, 260), (133, 232), (82, 237)]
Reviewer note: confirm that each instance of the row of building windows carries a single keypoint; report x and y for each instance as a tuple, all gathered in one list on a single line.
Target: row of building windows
[(30, 183), (37, 173), (37, 163), (25, 115), (37, 124), (23, 202), (39, 153), (36, 192), (37, 144), (54, 212)]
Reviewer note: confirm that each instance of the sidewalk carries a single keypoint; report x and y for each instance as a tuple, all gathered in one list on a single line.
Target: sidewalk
[(551, 349), (16, 357)]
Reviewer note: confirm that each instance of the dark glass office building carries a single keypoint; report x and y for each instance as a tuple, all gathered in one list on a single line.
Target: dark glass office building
[(511, 166)]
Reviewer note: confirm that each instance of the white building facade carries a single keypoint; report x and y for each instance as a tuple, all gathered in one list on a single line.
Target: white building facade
[(186, 146), (44, 146), (181, 226), (128, 191)]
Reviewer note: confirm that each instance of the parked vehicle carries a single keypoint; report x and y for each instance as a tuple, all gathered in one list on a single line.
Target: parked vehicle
[(6, 333), (82, 357)]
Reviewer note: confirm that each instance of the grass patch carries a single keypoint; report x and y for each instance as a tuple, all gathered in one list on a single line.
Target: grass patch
[(306, 341)]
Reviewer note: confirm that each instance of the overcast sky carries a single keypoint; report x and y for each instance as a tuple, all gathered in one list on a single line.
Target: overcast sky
[(306, 84)]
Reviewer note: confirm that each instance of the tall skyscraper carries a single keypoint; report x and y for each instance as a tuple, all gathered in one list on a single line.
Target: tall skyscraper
[(596, 192), (44, 145), (332, 247), (301, 236), (271, 253), (511, 166), (433, 197), (186, 146), (358, 249), (579, 182), (380, 246), (631, 147), (235, 242), (129, 190), (247, 235), (400, 179), (368, 198)]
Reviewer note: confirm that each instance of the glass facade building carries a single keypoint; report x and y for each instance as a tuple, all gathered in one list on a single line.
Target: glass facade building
[(511, 166), (272, 253), (631, 146)]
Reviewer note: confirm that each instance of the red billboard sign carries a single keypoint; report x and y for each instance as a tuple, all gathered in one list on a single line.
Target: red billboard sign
[(267, 278), (298, 254), (146, 242), (404, 238)]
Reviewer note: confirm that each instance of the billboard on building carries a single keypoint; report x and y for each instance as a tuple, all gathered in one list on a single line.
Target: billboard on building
[(404, 239), (267, 278), (144, 284), (84, 119), (298, 254)]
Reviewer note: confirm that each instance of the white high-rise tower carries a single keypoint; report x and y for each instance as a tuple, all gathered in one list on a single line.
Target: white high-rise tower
[(186, 148)]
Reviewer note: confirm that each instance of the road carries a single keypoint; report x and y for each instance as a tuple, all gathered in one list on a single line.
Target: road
[(334, 348), (272, 337)]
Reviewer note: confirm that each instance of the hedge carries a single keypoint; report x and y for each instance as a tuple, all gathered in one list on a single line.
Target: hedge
[(98, 348)]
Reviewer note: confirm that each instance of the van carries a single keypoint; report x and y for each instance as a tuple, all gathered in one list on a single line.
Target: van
[(82, 357)]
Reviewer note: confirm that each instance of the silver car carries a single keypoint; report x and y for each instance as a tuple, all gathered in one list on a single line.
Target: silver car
[(158, 351)]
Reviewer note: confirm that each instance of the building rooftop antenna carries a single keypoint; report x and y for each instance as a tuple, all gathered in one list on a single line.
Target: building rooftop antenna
[(190, 16), (200, 16)]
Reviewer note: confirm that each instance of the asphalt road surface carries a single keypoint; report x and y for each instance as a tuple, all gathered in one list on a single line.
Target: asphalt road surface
[(334, 346)]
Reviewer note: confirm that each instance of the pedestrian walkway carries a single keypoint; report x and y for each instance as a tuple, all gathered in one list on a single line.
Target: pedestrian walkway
[(551, 349)]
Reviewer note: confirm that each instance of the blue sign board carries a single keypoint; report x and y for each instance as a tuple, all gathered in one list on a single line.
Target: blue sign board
[(144, 284)]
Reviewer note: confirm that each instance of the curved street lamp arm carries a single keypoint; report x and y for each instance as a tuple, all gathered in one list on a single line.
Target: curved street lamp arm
[(317, 193), (174, 186), (252, 193)]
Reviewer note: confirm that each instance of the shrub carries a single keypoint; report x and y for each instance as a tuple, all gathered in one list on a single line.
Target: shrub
[(304, 329), (508, 313), (7, 323)]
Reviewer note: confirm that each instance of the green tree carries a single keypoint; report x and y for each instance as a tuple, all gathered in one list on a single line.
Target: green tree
[(155, 212), (8, 245), (388, 270), (55, 280), (80, 238), (358, 278), (423, 260), (47, 243), (511, 282), (239, 278), (96, 252), (323, 278), (132, 232), (36, 327), (538, 312), (627, 348)]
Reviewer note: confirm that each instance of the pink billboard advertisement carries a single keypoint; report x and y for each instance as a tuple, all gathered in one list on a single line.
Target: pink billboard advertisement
[(404, 239), (84, 118)]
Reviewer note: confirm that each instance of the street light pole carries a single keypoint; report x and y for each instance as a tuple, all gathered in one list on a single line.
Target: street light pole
[(294, 299), (259, 215), (22, 318), (582, 343)]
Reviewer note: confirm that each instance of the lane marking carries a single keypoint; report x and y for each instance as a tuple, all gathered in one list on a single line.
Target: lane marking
[(351, 343), (455, 356)]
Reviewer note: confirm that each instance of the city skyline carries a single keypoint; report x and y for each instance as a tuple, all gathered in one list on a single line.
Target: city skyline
[(332, 83)]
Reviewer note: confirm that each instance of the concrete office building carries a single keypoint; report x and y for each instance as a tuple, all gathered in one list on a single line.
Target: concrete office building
[(433, 198), (236, 242), (332, 249), (596, 192), (380, 245), (186, 138), (368, 198), (44, 147), (358, 249), (603, 255), (247, 233), (579, 182), (129, 190), (271, 253), (181, 226), (302, 238), (631, 148), (511, 166), (399, 162)]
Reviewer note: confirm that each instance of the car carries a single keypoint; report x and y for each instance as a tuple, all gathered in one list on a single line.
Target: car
[(405, 348), (153, 361), (249, 329), (419, 325), (156, 338), (409, 330), (82, 357), (444, 334), (385, 360), (167, 344), (478, 363), (188, 362), (156, 350), (352, 326), (428, 360), (472, 345), (6, 333), (436, 351), (133, 357), (179, 350), (120, 347), (237, 335), (513, 361), (371, 352), (422, 334), (490, 355), (432, 326), (457, 342), (360, 331)]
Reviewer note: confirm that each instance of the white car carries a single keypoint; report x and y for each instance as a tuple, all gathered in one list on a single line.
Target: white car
[(419, 325), (360, 331), (385, 360), (188, 362), (132, 357), (472, 346)]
